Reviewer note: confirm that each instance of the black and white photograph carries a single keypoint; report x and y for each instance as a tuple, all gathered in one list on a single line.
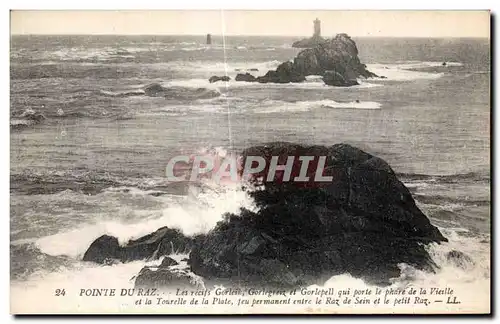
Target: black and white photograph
[(250, 162)]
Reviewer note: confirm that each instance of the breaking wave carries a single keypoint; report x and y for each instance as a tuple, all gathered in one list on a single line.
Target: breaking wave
[(282, 106), (407, 71)]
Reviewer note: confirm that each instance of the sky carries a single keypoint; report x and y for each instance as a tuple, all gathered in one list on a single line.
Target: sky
[(254, 22)]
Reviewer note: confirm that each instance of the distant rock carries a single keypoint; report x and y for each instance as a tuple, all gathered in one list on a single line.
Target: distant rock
[(253, 70), (338, 54), (444, 64), (364, 222), (106, 249), (247, 77), (155, 90), (219, 78), (27, 118), (336, 59), (185, 93)]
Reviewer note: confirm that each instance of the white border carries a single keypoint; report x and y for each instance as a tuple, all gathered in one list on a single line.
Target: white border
[(185, 4)]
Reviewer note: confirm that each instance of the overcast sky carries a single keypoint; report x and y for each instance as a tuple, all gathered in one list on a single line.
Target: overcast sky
[(285, 23)]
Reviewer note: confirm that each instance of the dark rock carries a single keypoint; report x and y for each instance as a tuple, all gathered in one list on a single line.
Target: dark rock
[(363, 222), (155, 90), (336, 79), (253, 70), (152, 246), (338, 54), (219, 78), (336, 59), (459, 259), (164, 278), (183, 93), (167, 262), (309, 42), (285, 73), (444, 64), (247, 77), (103, 250), (27, 118)]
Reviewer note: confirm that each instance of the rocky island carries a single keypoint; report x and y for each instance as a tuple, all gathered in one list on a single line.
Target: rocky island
[(335, 59), (364, 222)]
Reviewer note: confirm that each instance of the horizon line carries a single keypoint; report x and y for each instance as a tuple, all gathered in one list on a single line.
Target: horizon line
[(254, 35)]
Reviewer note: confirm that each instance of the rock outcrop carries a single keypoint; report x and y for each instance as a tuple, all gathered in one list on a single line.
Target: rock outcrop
[(167, 276), (106, 249), (247, 77), (364, 222), (284, 73), (183, 93), (27, 118), (336, 79), (309, 42), (216, 78), (335, 59)]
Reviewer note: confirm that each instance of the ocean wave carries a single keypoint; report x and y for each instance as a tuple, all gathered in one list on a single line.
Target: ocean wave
[(400, 72), (426, 64), (197, 212), (463, 274), (32, 182), (450, 202), (451, 178), (311, 83), (465, 270), (122, 94), (26, 118), (274, 106), (81, 53), (222, 67), (409, 70), (168, 90)]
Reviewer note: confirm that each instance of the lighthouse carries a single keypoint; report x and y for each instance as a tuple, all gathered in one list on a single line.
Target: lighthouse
[(317, 28)]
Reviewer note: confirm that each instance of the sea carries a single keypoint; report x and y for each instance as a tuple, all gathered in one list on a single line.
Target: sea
[(96, 163)]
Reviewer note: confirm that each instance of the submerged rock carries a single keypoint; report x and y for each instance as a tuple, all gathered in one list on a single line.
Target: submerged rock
[(28, 117), (363, 222), (155, 90), (164, 241)]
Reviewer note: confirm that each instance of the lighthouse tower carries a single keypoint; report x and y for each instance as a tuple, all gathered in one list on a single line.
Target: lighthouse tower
[(317, 28)]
